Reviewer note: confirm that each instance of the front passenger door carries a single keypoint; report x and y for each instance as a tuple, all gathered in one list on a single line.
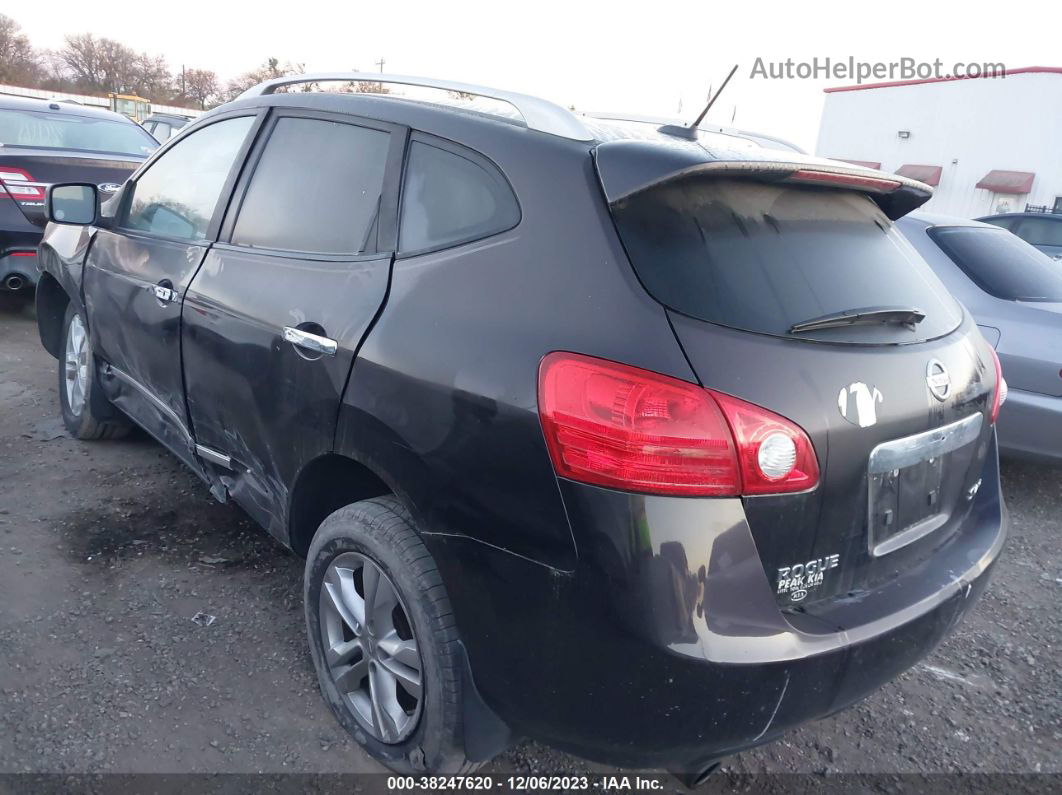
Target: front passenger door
[(136, 273)]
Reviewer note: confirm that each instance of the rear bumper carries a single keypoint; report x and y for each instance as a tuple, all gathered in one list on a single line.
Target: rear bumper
[(666, 647), (17, 236), (1030, 426), (18, 272)]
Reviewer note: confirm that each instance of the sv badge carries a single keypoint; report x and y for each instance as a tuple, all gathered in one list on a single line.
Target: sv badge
[(858, 404)]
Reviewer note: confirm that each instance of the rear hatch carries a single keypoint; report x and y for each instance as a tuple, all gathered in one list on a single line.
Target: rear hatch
[(788, 287), (41, 148)]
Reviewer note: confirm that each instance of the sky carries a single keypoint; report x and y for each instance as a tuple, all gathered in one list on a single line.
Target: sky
[(646, 58)]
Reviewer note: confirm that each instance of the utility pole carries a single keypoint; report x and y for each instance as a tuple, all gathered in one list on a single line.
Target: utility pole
[(381, 63)]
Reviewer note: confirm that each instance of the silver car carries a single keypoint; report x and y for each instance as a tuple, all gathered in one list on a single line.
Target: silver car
[(1014, 293)]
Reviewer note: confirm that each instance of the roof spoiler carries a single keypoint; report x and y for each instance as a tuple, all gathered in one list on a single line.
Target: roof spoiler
[(627, 168)]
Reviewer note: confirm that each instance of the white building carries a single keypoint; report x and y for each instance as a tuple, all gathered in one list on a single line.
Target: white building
[(985, 144)]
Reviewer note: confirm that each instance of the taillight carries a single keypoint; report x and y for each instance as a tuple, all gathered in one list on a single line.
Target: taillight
[(999, 395), (776, 455), (20, 184), (618, 426)]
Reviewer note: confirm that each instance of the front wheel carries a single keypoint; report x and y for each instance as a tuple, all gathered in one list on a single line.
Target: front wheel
[(87, 413), (383, 638)]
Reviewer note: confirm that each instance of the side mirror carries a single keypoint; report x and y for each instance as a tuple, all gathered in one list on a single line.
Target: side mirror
[(73, 203)]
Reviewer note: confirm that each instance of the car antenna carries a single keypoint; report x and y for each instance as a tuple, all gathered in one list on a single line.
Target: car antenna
[(690, 133)]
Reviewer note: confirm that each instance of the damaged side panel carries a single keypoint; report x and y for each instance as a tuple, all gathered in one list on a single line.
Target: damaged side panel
[(267, 403)]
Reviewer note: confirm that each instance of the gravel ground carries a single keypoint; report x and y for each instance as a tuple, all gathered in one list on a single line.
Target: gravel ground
[(108, 550)]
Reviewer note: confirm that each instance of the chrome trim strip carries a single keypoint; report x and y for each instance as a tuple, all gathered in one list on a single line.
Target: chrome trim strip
[(911, 534), (539, 114), (110, 369), (213, 456), (900, 453)]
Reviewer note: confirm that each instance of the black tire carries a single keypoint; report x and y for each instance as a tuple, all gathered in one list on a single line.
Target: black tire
[(97, 418), (382, 530)]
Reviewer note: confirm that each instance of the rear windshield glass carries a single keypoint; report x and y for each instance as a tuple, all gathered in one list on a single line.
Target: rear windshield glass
[(1001, 264), (764, 257), (79, 133)]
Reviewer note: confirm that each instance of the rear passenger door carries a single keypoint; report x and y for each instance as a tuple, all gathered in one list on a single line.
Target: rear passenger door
[(276, 313)]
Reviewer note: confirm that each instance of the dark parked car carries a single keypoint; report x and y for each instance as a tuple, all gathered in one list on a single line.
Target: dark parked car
[(1043, 229), (43, 142), (646, 448), (1014, 293), (164, 126)]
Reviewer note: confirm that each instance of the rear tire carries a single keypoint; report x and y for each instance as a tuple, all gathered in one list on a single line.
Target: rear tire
[(416, 621), (87, 413)]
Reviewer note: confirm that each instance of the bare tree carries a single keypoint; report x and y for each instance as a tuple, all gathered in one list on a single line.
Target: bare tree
[(267, 71), (19, 62), (200, 86), (99, 64), (151, 78)]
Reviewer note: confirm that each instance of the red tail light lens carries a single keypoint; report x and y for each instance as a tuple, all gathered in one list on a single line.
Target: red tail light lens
[(776, 455), (20, 185), (999, 395), (618, 426)]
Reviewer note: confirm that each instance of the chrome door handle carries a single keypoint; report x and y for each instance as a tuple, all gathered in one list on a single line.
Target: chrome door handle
[(310, 342), (163, 294)]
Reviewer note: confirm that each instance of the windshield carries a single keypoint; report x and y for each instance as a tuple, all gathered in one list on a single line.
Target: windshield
[(766, 257), (1000, 263), (79, 133)]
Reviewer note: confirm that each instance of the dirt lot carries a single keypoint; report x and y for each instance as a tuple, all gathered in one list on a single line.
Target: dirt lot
[(107, 551)]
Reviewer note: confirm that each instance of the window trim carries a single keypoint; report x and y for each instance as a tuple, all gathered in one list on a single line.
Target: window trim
[(387, 224), (224, 196), (469, 154)]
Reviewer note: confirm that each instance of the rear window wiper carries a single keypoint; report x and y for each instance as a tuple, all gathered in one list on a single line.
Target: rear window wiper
[(871, 315)]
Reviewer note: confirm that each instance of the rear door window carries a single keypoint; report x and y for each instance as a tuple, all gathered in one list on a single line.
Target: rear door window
[(1000, 263), (1040, 231), (451, 196), (764, 257), (316, 189)]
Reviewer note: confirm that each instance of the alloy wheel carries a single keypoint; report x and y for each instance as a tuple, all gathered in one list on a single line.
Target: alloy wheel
[(370, 650), (76, 364)]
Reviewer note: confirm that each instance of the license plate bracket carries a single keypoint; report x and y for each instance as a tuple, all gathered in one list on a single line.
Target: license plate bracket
[(906, 482)]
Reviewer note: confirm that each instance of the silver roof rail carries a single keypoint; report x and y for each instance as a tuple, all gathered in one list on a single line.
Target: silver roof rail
[(539, 114)]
